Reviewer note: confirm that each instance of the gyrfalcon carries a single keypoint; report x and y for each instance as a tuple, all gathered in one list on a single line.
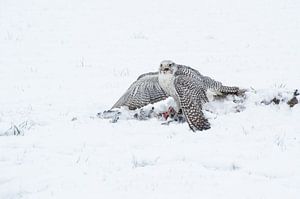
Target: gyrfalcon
[(186, 85)]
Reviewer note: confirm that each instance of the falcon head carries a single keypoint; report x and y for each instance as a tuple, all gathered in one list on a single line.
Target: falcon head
[(167, 67)]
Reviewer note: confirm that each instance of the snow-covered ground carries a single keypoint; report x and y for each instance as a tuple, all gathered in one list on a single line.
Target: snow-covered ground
[(62, 61)]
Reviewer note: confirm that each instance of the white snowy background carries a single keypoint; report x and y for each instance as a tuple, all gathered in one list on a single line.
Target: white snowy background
[(62, 61)]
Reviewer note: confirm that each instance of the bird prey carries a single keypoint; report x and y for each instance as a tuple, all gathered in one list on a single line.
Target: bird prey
[(189, 89)]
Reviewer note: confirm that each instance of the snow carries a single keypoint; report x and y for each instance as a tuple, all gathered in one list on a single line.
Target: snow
[(62, 62)]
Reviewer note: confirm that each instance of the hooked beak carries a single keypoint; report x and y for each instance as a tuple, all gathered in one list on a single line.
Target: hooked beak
[(165, 70)]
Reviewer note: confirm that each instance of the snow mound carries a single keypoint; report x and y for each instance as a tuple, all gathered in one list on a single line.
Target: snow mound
[(220, 105)]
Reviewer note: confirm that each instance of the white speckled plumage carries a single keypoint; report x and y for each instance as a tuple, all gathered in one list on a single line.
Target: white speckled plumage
[(186, 85)]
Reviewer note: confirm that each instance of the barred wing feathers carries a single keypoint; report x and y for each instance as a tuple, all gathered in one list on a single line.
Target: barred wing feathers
[(145, 90), (207, 82), (192, 95)]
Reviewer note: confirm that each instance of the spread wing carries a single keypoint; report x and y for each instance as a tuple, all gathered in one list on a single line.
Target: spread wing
[(145, 90), (206, 81), (191, 95)]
